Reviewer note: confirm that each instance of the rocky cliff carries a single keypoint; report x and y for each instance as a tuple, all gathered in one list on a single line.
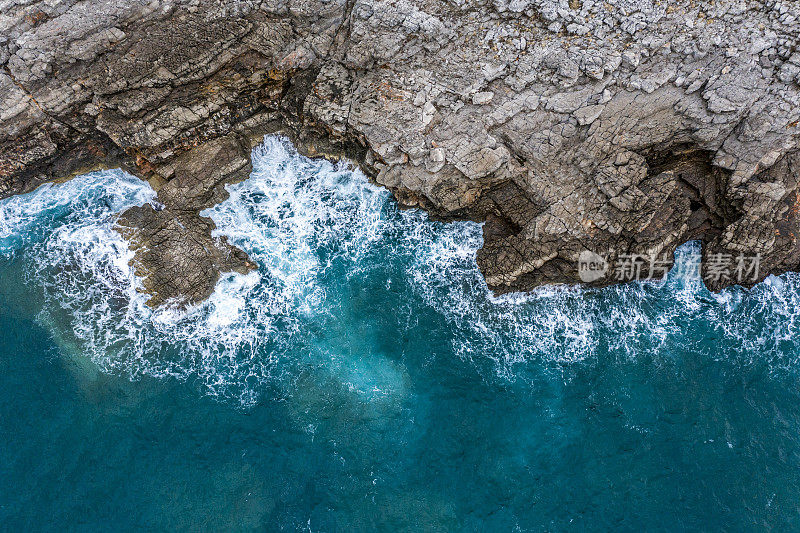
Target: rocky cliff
[(621, 127)]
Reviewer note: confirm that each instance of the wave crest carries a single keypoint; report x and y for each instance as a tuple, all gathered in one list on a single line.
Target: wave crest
[(319, 231)]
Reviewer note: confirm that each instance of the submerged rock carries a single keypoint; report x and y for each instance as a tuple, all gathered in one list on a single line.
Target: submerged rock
[(621, 128)]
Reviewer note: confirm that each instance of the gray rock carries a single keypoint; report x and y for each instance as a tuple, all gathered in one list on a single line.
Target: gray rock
[(623, 127), (482, 98)]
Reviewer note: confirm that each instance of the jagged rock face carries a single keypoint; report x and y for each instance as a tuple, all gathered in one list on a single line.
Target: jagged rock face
[(619, 127)]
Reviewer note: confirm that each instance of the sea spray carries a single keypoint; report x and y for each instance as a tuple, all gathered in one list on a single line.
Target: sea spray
[(338, 261)]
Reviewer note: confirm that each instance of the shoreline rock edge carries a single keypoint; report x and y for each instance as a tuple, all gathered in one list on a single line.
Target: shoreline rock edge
[(620, 128)]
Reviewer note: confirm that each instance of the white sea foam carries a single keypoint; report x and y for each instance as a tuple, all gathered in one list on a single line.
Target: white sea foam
[(95, 197), (314, 227), (294, 217)]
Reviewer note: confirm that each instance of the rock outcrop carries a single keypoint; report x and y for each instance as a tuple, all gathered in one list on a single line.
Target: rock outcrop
[(623, 127)]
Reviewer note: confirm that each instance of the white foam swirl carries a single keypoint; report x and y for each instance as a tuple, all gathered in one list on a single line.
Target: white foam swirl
[(316, 228)]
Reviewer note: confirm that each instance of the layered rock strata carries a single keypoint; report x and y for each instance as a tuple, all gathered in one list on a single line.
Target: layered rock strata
[(623, 127)]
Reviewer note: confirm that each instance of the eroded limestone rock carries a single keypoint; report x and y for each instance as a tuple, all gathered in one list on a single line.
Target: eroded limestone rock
[(621, 127)]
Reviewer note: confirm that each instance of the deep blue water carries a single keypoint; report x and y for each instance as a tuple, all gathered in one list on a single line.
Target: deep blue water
[(364, 379)]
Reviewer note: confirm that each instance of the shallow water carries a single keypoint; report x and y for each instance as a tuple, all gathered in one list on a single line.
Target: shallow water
[(364, 378)]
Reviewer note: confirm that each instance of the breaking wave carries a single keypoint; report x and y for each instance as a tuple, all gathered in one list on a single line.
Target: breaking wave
[(335, 257)]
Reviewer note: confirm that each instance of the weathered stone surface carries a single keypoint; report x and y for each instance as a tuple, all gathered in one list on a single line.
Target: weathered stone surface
[(622, 127)]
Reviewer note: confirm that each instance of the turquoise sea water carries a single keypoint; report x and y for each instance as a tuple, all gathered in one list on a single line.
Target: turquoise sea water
[(364, 379)]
